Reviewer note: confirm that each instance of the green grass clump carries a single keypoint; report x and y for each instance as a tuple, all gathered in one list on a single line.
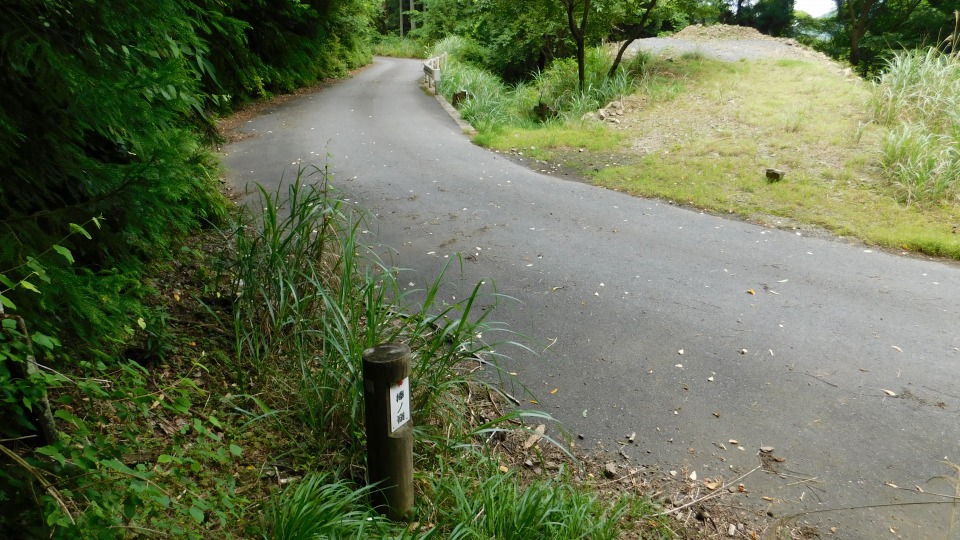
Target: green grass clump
[(321, 506), (479, 501), (399, 47), (918, 97)]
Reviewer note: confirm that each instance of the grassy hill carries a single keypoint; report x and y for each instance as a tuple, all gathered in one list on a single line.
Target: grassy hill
[(703, 132)]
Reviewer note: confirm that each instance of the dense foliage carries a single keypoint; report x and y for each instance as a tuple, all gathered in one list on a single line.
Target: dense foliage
[(106, 163), (103, 112)]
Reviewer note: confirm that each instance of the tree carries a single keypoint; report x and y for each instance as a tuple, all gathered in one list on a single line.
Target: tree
[(872, 27), (772, 17)]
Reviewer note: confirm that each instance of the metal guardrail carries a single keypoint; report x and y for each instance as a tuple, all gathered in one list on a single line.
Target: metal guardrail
[(431, 72)]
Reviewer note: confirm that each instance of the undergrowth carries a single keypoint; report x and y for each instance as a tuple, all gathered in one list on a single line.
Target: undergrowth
[(550, 96), (399, 47)]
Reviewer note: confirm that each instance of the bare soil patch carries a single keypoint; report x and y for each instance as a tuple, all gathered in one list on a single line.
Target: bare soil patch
[(732, 44)]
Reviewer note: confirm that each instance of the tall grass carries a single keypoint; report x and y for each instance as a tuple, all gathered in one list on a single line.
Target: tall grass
[(558, 85), (479, 501), (320, 506), (491, 103), (310, 299), (918, 97), (399, 47)]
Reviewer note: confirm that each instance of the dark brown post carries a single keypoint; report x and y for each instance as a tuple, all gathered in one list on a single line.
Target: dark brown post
[(386, 392)]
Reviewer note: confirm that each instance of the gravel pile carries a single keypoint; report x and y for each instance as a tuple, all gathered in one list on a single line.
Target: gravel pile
[(728, 43), (718, 31)]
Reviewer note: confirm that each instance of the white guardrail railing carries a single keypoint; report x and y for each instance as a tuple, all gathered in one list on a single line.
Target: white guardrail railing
[(431, 72)]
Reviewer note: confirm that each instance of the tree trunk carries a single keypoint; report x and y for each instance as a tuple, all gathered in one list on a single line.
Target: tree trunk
[(401, 18), (413, 24), (633, 37), (858, 27), (579, 36)]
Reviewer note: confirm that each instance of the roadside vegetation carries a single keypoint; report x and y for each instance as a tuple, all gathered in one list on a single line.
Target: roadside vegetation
[(399, 47)]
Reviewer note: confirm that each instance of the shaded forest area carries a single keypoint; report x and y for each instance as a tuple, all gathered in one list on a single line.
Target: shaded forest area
[(105, 112)]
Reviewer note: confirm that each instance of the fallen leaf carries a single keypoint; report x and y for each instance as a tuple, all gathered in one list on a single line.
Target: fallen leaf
[(733, 441), (751, 291), (503, 469), (891, 484), (717, 414), (535, 402), (535, 436), (890, 393), (741, 488), (898, 349), (693, 476), (779, 459), (711, 485), (554, 391), (766, 449)]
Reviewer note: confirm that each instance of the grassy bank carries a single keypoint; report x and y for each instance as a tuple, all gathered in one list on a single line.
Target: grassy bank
[(703, 133)]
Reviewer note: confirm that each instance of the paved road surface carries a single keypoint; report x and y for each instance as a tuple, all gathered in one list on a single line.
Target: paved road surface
[(623, 284)]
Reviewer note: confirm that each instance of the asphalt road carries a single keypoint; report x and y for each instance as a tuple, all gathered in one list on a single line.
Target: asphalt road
[(615, 287)]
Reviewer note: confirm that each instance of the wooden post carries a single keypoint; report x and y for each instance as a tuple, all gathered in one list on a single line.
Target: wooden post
[(386, 392)]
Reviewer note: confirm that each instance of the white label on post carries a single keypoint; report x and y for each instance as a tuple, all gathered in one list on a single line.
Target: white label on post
[(399, 404)]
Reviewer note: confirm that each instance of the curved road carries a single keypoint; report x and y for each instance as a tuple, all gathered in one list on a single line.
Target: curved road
[(624, 284)]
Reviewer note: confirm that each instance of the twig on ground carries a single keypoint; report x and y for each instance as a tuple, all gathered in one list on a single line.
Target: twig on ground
[(624, 477), (709, 496), (821, 380)]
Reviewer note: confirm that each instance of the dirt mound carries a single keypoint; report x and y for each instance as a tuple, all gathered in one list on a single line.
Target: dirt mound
[(719, 31)]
